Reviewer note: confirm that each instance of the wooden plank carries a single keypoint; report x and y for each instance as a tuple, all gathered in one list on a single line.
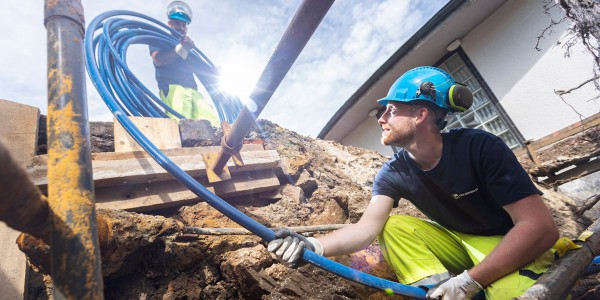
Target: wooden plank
[(137, 170), (566, 132), (579, 171), (151, 196), (12, 265), (162, 132), (43, 159), (532, 154), (18, 132), (247, 183)]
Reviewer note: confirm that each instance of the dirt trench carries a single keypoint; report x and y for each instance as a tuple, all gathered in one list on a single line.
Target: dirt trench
[(322, 182)]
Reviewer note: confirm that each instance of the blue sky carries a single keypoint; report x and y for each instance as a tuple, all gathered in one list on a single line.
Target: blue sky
[(353, 41)]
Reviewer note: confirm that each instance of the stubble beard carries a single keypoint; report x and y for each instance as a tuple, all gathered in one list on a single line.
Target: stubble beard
[(399, 136)]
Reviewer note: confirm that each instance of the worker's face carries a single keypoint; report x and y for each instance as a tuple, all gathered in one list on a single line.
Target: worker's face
[(398, 124), (178, 25)]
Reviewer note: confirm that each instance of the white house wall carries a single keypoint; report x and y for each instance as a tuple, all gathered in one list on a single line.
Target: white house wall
[(367, 135), (523, 79), (502, 48)]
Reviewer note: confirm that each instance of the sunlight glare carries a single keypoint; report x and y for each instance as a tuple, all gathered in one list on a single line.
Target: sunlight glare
[(238, 76)]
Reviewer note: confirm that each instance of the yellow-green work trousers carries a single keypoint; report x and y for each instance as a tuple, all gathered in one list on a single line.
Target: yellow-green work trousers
[(190, 103), (417, 248)]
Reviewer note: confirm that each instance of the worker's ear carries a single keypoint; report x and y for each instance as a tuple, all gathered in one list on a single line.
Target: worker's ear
[(421, 114)]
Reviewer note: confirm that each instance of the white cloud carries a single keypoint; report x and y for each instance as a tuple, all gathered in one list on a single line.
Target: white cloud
[(353, 40), (367, 34)]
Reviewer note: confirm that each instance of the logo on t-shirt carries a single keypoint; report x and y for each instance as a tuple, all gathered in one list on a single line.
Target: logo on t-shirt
[(458, 196)]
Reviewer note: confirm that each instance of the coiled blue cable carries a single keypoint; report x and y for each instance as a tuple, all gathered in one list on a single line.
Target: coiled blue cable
[(114, 38), (130, 97)]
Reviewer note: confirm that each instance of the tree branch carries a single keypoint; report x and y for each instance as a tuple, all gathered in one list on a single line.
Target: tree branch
[(562, 92)]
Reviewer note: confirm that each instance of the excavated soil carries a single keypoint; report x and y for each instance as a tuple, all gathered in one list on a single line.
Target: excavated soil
[(322, 182)]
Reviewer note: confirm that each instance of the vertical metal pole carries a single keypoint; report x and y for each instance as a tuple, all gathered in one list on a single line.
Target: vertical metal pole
[(76, 267), (296, 36)]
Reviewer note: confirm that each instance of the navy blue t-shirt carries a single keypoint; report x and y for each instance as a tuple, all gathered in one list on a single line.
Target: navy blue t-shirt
[(476, 175), (178, 72)]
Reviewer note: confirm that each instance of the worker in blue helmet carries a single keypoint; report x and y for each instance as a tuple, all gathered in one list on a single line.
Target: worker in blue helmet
[(175, 73), (487, 226)]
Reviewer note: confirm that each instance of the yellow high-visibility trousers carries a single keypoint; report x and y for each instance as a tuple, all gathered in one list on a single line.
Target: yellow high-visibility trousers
[(417, 248), (191, 104)]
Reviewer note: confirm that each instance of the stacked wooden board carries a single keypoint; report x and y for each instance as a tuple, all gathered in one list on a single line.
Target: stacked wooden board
[(127, 179), (133, 181)]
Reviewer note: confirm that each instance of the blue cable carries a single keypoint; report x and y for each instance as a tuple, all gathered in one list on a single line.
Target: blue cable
[(135, 99), (108, 75), (593, 267)]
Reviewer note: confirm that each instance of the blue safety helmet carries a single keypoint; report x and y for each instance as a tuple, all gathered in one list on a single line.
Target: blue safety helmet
[(430, 85), (179, 10)]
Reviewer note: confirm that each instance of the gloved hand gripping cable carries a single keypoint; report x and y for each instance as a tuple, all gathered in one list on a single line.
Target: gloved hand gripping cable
[(289, 246)]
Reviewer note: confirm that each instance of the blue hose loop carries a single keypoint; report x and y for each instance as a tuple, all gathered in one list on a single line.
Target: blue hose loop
[(114, 37), (111, 87)]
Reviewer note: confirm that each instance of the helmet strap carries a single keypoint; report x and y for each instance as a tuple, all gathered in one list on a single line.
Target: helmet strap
[(441, 122)]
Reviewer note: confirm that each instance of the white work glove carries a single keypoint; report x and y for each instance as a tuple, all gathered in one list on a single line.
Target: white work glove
[(455, 288), (183, 49), (288, 246)]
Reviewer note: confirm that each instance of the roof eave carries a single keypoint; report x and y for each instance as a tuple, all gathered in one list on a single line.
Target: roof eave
[(436, 20)]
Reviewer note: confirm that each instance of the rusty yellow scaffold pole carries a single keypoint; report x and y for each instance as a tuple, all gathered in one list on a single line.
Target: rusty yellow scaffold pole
[(76, 267)]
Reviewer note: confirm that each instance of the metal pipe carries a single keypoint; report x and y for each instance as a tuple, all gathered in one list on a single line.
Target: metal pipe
[(23, 207), (76, 268), (303, 25), (244, 231)]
